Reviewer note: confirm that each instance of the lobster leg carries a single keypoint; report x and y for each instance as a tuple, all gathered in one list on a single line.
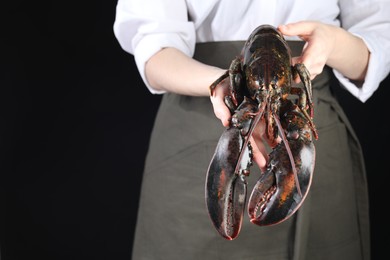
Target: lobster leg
[(233, 82), (276, 195), (305, 98)]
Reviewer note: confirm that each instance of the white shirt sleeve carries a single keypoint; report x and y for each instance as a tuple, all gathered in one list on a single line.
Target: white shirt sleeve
[(369, 20), (145, 27)]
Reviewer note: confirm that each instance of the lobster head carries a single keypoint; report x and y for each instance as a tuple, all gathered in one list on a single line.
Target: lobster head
[(266, 67)]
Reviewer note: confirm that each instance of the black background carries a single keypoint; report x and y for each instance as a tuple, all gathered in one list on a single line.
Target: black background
[(75, 129)]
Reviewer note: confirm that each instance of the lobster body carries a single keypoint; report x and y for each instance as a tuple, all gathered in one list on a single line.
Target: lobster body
[(261, 90)]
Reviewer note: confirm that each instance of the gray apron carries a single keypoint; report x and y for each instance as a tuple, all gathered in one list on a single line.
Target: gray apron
[(173, 222)]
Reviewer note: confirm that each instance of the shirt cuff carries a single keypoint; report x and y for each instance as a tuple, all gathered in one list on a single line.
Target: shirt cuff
[(376, 72)]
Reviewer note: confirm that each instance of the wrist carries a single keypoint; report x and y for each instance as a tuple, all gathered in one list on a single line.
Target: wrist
[(349, 55)]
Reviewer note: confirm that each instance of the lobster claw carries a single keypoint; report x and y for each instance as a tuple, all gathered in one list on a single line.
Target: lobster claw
[(226, 187), (280, 191), (275, 196)]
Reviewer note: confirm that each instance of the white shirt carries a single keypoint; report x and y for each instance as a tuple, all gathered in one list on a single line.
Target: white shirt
[(145, 27)]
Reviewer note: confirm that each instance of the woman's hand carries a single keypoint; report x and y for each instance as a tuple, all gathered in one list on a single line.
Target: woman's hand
[(217, 97), (329, 45), (222, 112)]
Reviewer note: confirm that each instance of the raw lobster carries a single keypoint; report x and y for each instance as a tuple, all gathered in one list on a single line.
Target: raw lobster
[(261, 89)]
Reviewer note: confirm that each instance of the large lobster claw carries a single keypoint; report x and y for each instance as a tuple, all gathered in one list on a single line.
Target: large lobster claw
[(275, 196), (225, 181), (280, 191), (226, 189)]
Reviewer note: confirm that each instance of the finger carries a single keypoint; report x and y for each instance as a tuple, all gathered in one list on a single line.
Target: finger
[(220, 110), (314, 58), (260, 156), (300, 29), (296, 60)]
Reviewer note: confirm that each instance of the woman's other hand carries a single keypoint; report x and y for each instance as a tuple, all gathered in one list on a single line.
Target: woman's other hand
[(329, 45)]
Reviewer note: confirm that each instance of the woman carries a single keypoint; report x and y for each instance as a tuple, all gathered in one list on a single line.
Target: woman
[(180, 48)]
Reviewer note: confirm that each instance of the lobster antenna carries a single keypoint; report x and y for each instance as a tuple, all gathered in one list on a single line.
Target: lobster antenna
[(256, 120), (288, 152)]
